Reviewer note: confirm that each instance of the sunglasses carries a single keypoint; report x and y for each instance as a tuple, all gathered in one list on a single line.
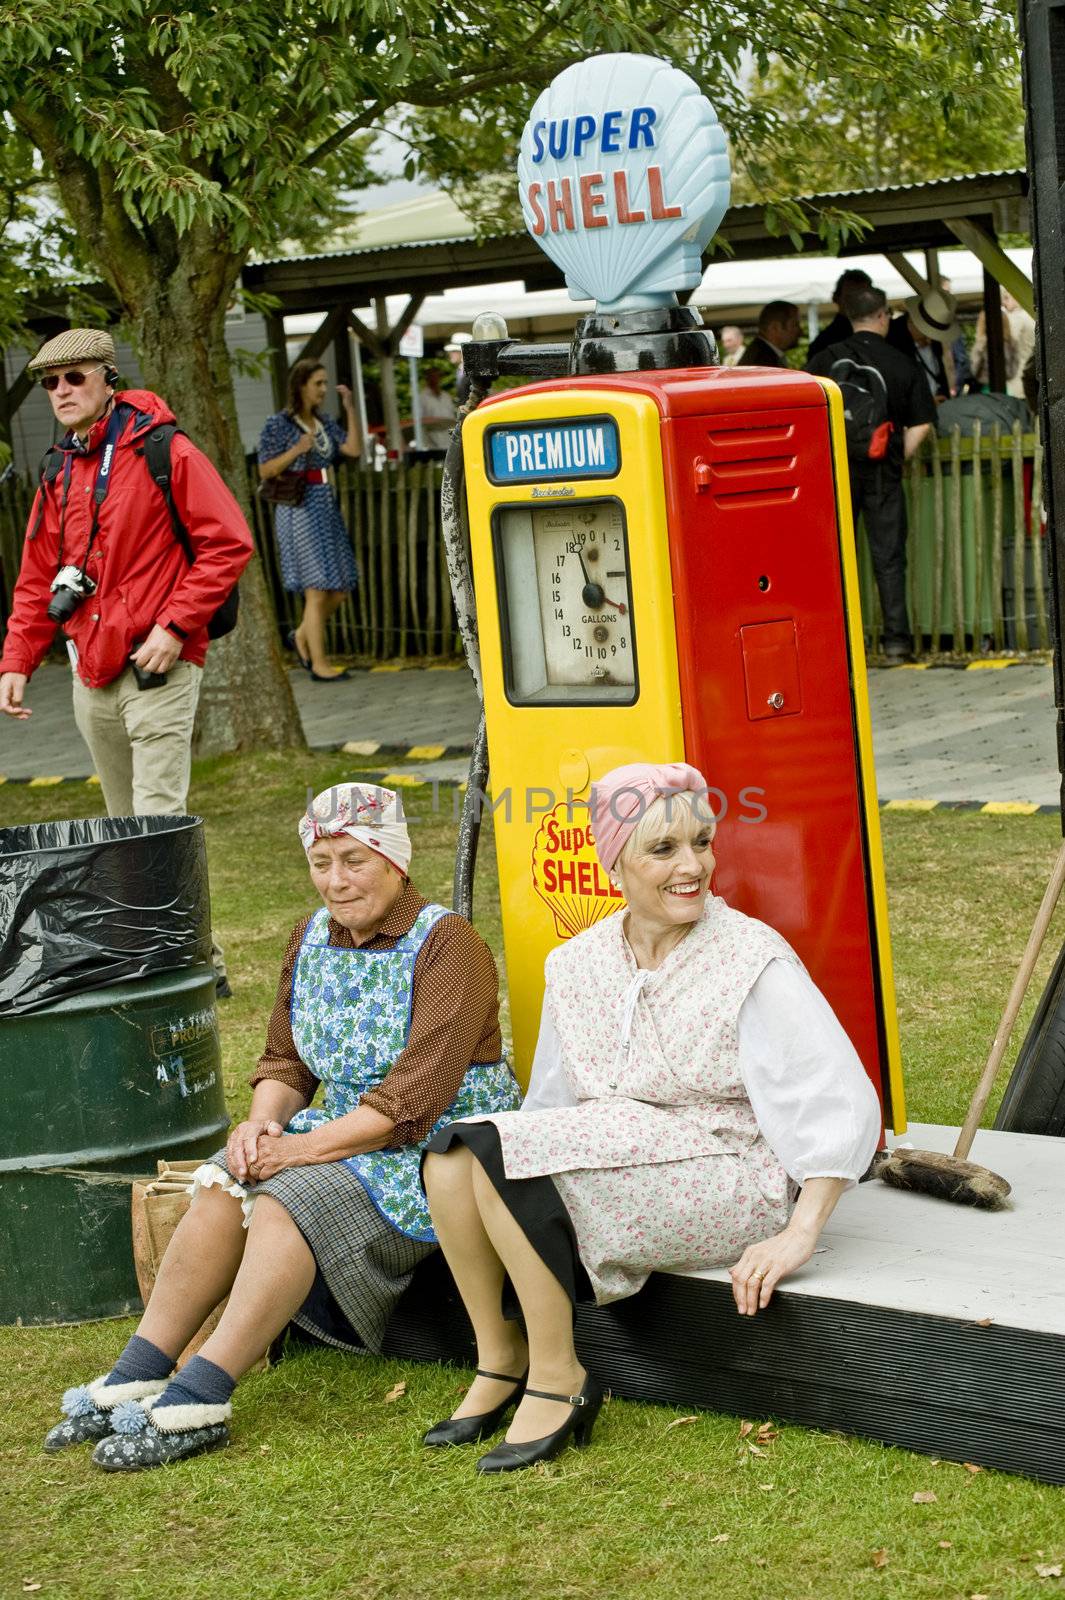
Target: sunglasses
[(50, 381)]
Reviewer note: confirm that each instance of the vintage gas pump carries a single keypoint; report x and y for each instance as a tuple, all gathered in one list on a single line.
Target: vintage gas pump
[(663, 558)]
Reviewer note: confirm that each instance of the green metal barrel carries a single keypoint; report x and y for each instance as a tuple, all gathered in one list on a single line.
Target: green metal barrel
[(97, 1088), (109, 1054)]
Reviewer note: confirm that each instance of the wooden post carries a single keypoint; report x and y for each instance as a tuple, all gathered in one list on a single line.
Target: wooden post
[(996, 350), (978, 537), (996, 536), (275, 332), (386, 360)]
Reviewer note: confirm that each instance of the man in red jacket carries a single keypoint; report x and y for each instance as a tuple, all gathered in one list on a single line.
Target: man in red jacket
[(134, 612)]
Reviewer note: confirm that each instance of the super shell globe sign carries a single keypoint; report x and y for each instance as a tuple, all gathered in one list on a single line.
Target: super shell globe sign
[(624, 179)]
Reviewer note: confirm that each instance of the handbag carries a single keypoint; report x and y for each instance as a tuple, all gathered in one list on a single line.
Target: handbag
[(286, 489), (158, 1207)]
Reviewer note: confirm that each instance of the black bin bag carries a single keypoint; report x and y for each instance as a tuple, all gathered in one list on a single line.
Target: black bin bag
[(99, 901)]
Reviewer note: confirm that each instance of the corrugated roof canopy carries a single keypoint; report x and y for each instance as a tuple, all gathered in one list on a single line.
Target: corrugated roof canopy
[(903, 216)]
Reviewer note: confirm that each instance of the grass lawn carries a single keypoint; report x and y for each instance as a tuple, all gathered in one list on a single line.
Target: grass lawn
[(326, 1491)]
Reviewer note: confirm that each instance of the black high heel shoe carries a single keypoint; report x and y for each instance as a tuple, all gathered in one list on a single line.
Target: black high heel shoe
[(577, 1426), (471, 1430)]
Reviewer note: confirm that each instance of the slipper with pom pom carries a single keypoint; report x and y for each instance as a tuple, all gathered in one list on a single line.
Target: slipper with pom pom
[(142, 1437), (86, 1416)]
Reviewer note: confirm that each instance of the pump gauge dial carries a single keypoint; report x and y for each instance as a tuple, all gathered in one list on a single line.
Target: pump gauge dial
[(566, 603)]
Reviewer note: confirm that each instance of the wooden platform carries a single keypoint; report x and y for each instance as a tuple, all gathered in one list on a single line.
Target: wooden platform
[(918, 1323)]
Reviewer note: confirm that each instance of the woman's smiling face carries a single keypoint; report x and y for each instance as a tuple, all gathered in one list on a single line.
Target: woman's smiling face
[(666, 867)]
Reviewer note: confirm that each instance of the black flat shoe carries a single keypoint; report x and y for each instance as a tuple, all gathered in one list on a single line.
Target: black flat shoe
[(577, 1426), (471, 1430), (329, 677), (290, 640)]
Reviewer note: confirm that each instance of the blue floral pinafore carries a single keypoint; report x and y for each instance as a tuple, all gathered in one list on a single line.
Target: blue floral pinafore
[(351, 1012)]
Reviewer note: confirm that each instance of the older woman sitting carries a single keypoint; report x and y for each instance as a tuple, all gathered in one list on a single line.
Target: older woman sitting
[(392, 1004), (689, 1081)]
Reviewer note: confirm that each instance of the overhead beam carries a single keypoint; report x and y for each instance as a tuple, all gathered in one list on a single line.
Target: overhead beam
[(994, 259), (907, 271), (334, 322)]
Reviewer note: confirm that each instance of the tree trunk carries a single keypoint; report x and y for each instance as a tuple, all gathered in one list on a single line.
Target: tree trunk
[(179, 329)]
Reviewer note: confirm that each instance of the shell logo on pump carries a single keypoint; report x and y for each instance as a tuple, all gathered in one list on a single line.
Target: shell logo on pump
[(567, 874)]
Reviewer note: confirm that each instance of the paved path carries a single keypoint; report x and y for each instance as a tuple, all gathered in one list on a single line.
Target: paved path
[(940, 735)]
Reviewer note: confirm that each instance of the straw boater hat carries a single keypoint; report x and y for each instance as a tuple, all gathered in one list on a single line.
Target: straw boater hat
[(935, 314), (76, 344)]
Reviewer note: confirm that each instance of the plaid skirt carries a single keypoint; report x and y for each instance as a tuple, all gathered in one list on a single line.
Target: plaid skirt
[(364, 1265)]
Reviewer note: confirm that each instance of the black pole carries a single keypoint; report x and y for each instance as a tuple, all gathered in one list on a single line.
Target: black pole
[(1042, 27)]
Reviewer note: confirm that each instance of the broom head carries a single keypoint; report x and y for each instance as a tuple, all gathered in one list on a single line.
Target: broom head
[(945, 1177)]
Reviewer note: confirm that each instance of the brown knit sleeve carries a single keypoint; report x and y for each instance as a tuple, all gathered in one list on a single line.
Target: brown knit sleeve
[(280, 1060), (454, 1021)]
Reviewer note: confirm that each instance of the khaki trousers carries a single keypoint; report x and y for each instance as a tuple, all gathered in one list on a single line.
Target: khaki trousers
[(140, 741)]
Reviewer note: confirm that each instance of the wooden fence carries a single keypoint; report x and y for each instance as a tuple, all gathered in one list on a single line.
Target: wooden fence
[(977, 573), (401, 609)]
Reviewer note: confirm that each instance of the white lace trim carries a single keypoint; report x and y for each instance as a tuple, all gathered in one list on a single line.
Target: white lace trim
[(211, 1175)]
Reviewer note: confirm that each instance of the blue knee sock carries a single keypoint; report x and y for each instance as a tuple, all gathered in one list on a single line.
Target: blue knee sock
[(140, 1362), (199, 1383)]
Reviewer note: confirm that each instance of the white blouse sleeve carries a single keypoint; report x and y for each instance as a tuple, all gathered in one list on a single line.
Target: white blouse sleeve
[(813, 1100), (548, 1084)]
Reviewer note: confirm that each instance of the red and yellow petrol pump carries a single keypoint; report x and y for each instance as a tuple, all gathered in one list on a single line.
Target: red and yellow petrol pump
[(663, 558)]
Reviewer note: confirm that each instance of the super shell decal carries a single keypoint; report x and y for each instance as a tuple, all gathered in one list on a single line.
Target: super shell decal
[(624, 178), (567, 874)]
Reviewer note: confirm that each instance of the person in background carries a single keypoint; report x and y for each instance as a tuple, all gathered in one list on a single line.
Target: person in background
[(958, 353), (730, 344), (1022, 332), (840, 326), (980, 360), (439, 412), (316, 554), (453, 351), (876, 486), (778, 332), (924, 333), (134, 612)]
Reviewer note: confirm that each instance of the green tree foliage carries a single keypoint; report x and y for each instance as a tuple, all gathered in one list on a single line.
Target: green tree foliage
[(863, 135), (180, 139)]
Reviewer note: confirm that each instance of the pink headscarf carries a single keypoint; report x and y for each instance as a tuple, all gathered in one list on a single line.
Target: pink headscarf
[(623, 797)]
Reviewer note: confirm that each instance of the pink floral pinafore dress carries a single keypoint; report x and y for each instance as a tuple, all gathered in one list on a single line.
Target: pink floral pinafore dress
[(661, 1164)]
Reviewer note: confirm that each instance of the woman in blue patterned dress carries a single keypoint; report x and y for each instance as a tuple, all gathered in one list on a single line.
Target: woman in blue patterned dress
[(315, 550)]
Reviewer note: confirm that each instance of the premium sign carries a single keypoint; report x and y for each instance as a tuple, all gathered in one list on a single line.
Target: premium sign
[(586, 449), (624, 177)]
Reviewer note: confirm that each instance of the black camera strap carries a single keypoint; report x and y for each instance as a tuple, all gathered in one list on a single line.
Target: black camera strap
[(115, 425)]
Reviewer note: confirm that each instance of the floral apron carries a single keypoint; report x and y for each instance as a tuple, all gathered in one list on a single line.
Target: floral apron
[(351, 1013)]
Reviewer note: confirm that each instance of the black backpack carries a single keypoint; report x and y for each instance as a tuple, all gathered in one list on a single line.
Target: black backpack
[(155, 448), (865, 407)]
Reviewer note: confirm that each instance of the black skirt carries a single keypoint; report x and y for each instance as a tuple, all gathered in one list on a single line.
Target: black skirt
[(534, 1203)]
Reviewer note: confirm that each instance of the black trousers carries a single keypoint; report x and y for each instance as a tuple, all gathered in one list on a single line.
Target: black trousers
[(876, 494)]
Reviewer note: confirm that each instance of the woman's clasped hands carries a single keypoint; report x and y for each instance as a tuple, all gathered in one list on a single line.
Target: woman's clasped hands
[(259, 1149)]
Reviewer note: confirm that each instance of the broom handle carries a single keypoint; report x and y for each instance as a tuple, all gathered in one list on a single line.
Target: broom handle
[(1013, 1005)]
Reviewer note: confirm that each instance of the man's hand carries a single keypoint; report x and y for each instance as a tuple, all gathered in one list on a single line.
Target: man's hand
[(12, 688), (158, 652), (761, 1267), (241, 1147)]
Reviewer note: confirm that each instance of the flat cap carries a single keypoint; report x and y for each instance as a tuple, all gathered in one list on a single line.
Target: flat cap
[(76, 344)]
